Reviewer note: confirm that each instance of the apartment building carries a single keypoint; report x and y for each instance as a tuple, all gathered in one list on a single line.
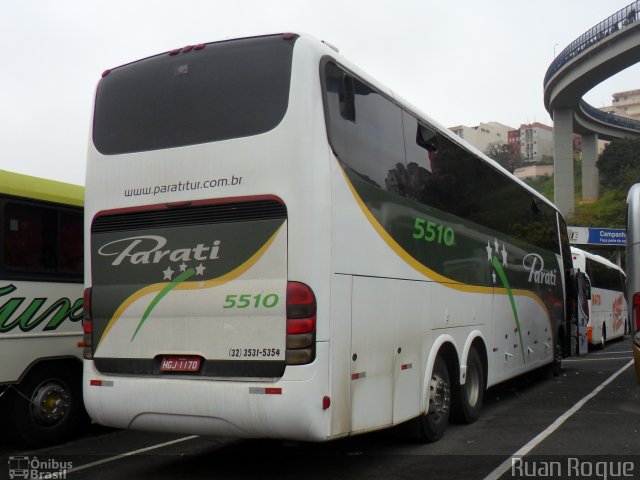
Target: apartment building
[(484, 134), (625, 104), (533, 141)]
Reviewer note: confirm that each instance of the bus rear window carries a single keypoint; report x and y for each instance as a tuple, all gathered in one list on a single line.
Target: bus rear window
[(226, 90)]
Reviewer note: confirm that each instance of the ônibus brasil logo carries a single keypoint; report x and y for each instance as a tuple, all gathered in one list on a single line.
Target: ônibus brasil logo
[(149, 249)]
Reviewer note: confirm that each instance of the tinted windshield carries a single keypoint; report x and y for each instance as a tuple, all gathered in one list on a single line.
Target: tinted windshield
[(225, 90)]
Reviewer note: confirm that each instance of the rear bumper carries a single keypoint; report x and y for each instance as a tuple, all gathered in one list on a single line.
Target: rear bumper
[(289, 408)]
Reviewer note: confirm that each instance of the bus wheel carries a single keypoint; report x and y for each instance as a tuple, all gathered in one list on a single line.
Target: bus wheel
[(434, 422), (48, 406), (603, 337), (467, 398), (558, 354)]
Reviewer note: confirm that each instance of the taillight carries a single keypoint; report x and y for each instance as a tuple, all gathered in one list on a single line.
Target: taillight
[(87, 325), (636, 310), (301, 324)]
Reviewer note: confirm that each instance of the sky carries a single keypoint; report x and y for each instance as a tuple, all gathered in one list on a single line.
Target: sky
[(462, 62)]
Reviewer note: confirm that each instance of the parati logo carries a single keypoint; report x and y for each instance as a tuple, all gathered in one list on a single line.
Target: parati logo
[(534, 264), (149, 249)]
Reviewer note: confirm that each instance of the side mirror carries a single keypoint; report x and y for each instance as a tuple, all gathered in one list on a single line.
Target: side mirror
[(584, 284), (587, 287)]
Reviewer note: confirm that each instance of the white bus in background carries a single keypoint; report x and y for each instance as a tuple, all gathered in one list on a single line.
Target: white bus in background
[(608, 313), (41, 268), (633, 269), (278, 246)]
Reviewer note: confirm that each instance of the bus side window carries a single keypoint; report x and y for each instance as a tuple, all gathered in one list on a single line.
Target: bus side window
[(371, 146), (71, 243), (24, 237), (40, 241), (427, 184)]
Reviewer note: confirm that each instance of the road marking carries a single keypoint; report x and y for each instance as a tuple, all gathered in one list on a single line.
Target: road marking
[(506, 465), (611, 353), (567, 360), (129, 454)]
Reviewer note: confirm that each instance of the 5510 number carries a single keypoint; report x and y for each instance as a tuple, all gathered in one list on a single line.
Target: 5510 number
[(433, 232), (269, 300)]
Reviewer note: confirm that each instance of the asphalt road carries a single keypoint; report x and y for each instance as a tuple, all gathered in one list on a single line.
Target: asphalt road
[(583, 424)]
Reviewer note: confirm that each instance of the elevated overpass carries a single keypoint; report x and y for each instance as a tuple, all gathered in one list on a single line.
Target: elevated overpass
[(601, 52)]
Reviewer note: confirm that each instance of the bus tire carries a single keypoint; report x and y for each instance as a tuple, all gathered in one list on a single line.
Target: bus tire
[(603, 337), (556, 365), (554, 369), (48, 407), (626, 327), (434, 421), (468, 397)]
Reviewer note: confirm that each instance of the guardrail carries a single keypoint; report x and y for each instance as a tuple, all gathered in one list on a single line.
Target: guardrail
[(609, 118), (602, 30)]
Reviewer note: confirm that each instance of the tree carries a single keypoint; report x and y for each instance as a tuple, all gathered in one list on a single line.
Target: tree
[(619, 164), (504, 154), (619, 168)]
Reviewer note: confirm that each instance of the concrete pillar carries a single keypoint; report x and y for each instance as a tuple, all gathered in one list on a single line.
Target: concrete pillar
[(589, 169), (563, 160)]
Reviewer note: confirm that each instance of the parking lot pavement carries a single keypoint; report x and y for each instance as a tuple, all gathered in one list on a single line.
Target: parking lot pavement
[(590, 413)]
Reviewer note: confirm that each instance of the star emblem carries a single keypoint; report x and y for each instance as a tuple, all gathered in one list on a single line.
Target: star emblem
[(200, 270), (504, 256), (183, 267), (493, 276), (489, 251), (168, 273)]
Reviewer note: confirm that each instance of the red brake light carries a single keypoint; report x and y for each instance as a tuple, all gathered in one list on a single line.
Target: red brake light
[(301, 302), (636, 310), (301, 324), (87, 325), (186, 49), (86, 304)]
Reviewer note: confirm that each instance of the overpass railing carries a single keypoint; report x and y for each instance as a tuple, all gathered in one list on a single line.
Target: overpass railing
[(602, 30), (609, 118)]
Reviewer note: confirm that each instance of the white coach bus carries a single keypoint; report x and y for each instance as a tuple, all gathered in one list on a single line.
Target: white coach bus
[(608, 315), (633, 269), (41, 267), (278, 246)]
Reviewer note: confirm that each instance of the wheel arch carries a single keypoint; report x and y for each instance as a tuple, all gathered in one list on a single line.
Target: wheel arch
[(476, 341), (70, 361)]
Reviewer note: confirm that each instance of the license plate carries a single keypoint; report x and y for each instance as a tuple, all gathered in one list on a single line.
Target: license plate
[(180, 364)]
